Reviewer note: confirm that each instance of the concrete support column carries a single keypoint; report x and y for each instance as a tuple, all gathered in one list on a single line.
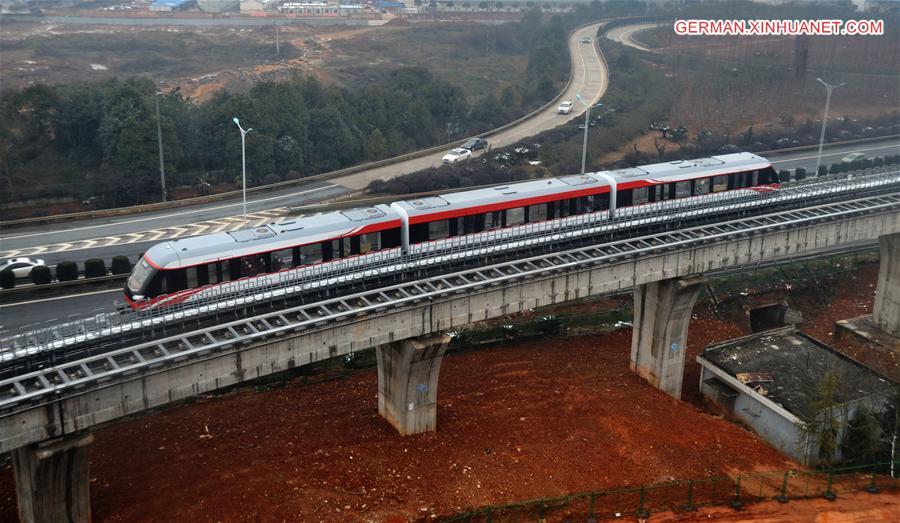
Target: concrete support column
[(52, 480), (886, 312), (662, 311), (407, 382)]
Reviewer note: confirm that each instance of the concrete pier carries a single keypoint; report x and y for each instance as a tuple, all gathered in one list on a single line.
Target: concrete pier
[(886, 312), (52, 480), (407, 382), (662, 312)]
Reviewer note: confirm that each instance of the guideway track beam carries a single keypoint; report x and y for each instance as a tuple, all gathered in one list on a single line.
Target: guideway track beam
[(53, 382)]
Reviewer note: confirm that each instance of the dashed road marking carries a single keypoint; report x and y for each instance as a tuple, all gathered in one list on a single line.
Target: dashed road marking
[(230, 223)]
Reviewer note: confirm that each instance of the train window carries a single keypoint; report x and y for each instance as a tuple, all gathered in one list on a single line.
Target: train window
[(515, 216), (662, 192), (640, 195), (537, 213), (720, 183), (307, 254), (492, 220), (701, 186), (682, 189), (175, 280), (584, 204), (369, 242), (252, 265), (390, 238), (191, 277), (212, 275), (754, 180), (438, 229), (281, 259)]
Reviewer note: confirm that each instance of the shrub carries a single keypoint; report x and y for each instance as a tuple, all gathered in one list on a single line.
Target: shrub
[(835, 168), (878, 162), (66, 271), (799, 173), (7, 279), (94, 268), (121, 265), (785, 176), (41, 275)]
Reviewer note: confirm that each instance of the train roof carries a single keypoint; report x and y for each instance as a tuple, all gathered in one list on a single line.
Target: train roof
[(515, 192), (274, 236), (695, 168)]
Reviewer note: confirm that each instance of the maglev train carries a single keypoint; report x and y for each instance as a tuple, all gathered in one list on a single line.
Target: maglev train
[(180, 270)]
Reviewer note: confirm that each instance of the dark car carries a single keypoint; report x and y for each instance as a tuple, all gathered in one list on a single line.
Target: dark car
[(473, 144)]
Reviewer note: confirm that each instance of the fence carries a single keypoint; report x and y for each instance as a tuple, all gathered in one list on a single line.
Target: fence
[(423, 257), (687, 495)]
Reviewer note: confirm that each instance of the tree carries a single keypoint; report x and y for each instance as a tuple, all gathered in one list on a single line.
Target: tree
[(483, 5), (823, 426), (377, 146), (863, 437)]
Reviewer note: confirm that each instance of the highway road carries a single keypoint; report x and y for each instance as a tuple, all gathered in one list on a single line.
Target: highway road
[(130, 235), (625, 35)]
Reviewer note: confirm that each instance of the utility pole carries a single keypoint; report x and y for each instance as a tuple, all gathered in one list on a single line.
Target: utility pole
[(162, 168), (829, 88), (243, 161)]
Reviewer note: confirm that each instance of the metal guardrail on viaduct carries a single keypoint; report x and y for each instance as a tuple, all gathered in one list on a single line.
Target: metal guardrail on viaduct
[(47, 409)]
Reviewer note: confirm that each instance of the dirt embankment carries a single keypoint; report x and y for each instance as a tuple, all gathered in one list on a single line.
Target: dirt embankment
[(515, 422)]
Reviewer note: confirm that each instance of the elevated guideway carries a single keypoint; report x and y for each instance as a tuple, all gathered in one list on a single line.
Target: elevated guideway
[(48, 410)]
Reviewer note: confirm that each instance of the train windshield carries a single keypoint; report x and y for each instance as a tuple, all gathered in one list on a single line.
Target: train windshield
[(139, 276)]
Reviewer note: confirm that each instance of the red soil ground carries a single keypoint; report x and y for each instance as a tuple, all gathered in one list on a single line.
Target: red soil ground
[(520, 421)]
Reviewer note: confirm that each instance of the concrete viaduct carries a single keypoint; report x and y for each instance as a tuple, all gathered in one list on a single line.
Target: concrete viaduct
[(50, 441)]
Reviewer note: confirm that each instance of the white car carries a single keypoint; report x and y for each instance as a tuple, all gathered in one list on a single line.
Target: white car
[(564, 108), (457, 155), (21, 267), (853, 157)]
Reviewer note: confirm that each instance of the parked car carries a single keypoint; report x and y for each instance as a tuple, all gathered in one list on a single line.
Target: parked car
[(21, 267), (473, 144), (457, 155), (586, 40), (852, 157), (564, 108)]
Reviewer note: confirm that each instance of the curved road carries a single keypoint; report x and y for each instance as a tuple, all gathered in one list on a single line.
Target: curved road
[(130, 235), (625, 35)]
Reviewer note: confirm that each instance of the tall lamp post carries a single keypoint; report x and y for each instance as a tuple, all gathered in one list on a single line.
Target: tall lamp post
[(162, 168), (243, 160), (829, 88), (587, 120)]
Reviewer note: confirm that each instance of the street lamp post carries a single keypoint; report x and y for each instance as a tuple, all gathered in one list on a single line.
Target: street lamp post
[(162, 168), (243, 161), (829, 89), (587, 120)]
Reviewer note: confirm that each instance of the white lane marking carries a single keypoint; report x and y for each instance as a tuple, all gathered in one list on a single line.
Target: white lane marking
[(59, 298), (193, 229), (826, 153), (182, 213)]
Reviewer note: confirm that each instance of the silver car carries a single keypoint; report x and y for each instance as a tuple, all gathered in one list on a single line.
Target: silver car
[(21, 267)]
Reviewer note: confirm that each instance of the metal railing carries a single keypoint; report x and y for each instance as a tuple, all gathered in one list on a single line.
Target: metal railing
[(34, 377), (688, 495), (354, 271)]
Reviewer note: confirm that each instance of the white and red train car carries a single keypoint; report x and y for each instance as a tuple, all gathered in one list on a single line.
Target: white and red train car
[(181, 270)]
